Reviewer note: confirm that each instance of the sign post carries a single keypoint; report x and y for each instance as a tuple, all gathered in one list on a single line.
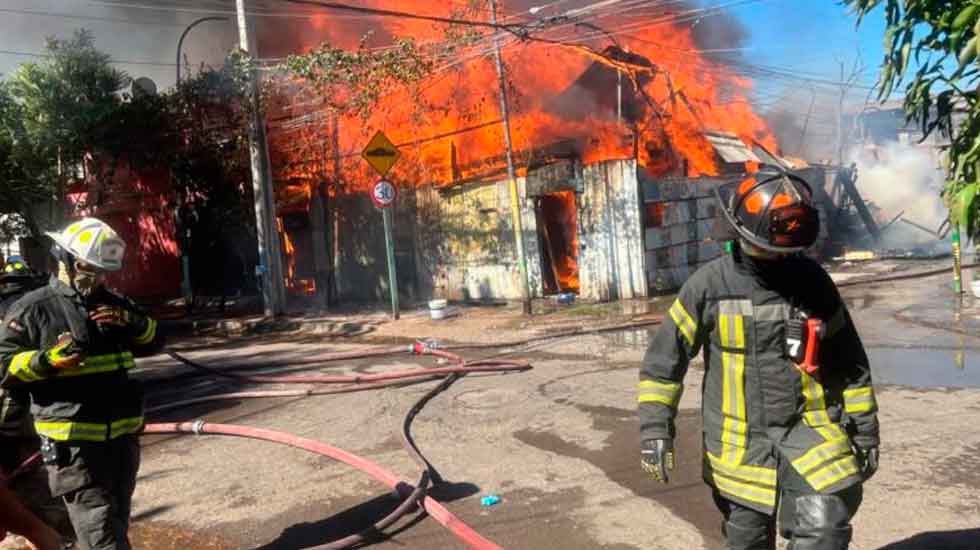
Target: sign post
[(381, 154)]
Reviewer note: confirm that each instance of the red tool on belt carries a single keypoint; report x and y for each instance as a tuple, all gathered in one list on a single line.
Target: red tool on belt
[(803, 335)]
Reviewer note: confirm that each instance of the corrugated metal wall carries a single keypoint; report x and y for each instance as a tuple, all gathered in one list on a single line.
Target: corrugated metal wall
[(611, 259), (466, 242)]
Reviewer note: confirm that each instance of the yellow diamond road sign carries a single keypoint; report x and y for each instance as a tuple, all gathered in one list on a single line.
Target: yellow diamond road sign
[(381, 153)]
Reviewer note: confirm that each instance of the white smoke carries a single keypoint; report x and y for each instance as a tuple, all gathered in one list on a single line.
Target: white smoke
[(899, 178)]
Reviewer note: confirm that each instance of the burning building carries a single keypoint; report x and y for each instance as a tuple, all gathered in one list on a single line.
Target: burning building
[(618, 138)]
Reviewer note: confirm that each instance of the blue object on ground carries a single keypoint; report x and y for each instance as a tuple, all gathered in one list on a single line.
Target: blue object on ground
[(490, 500), (565, 298)]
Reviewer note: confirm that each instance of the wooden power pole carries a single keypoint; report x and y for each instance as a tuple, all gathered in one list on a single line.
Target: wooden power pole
[(515, 200)]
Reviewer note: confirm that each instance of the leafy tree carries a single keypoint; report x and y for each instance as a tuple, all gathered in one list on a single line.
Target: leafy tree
[(210, 168), (941, 38), (58, 117)]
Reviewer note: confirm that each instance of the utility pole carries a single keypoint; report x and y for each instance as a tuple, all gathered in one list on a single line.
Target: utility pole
[(515, 201), (266, 228), (840, 118)]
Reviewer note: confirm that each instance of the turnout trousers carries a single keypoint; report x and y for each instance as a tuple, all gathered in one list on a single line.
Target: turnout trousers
[(747, 529), (96, 481)]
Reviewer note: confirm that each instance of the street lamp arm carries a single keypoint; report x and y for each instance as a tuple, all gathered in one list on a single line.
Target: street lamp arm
[(180, 42)]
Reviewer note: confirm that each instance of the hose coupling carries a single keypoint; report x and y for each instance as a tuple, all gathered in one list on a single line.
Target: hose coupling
[(421, 347), (197, 427)]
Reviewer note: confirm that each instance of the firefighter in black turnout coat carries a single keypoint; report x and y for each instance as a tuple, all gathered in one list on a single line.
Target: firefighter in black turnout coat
[(790, 426), (70, 344), (18, 441)]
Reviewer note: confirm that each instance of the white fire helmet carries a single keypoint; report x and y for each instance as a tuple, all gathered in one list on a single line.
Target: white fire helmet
[(93, 242)]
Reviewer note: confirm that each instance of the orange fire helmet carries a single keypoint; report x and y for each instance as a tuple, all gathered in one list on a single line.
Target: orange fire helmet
[(771, 210)]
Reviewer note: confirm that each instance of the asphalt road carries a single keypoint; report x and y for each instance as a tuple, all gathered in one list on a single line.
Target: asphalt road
[(557, 444)]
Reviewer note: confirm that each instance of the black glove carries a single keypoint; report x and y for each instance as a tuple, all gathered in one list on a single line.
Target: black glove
[(657, 457), (868, 460)]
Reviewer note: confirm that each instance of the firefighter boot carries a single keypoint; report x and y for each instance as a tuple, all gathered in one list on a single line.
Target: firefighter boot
[(822, 523)]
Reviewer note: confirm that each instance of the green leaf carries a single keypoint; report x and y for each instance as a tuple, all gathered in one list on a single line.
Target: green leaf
[(966, 17), (964, 207)]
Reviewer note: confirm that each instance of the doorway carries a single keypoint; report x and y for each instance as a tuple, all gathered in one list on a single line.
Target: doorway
[(557, 218)]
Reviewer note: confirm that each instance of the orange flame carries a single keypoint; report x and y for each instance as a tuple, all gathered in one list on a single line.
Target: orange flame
[(563, 102)]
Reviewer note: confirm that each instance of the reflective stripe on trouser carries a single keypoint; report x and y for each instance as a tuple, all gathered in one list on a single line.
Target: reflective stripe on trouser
[(728, 472), (87, 431), (96, 364)]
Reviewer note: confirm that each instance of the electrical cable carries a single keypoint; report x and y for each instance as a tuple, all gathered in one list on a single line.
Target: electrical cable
[(111, 61), (89, 17)]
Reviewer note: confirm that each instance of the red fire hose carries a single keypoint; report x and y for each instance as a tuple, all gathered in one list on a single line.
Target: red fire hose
[(413, 495), (480, 366), (464, 532)]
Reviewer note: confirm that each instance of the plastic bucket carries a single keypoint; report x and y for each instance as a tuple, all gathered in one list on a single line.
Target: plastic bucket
[(438, 309), (975, 287)]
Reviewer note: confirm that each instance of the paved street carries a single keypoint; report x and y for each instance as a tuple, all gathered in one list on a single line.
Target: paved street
[(557, 444)]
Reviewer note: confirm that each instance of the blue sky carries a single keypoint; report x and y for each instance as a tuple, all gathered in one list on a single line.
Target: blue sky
[(812, 36), (808, 36)]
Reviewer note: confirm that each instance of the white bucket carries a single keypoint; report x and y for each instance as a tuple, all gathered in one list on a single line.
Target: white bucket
[(438, 309), (975, 286)]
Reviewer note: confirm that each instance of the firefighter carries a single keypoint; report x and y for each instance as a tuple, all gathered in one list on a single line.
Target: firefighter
[(70, 344), (786, 445), (18, 441)]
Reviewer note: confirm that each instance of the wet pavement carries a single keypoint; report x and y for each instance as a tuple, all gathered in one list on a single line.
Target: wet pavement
[(558, 445)]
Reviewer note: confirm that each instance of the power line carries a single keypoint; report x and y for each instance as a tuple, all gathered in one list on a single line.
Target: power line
[(87, 17), (113, 61), (404, 15)]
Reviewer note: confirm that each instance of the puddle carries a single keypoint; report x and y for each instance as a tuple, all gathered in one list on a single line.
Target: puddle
[(954, 367), (643, 307), (686, 495), (925, 368), (636, 339)]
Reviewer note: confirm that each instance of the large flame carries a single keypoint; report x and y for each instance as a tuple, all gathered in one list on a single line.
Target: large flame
[(647, 94), (563, 101)]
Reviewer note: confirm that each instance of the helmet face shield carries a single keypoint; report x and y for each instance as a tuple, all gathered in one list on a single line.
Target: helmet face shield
[(773, 211)]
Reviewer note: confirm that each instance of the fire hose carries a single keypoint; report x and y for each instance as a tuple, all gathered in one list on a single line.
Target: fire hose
[(413, 496)]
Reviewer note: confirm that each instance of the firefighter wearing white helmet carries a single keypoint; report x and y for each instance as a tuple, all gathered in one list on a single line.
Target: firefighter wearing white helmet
[(71, 344)]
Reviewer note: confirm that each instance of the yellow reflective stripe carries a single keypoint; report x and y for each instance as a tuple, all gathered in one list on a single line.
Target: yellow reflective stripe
[(833, 448), (148, 334), (744, 491), (833, 472), (734, 429), (815, 409), (759, 475), (20, 366), (860, 400), (125, 426), (100, 363), (683, 321), (71, 431), (668, 393), (855, 393)]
